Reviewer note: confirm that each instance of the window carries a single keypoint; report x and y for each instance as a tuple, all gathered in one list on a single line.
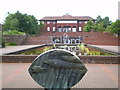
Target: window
[(59, 29), (53, 28), (85, 21), (48, 22), (74, 21), (80, 29), (74, 29), (48, 29), (54, 22)]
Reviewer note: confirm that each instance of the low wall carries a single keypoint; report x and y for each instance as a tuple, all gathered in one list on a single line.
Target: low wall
[(85, 59), (19, 39)]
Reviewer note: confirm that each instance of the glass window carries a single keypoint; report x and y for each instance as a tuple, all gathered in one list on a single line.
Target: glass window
[(53, 28), (74, 29), (67, 21), (85, 21), (59, 29), (54, 22), (48, 22), (48, 29), (80, 29)]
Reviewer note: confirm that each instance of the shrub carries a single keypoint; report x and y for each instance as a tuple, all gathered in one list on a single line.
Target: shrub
[(13, 32), (11, 44)]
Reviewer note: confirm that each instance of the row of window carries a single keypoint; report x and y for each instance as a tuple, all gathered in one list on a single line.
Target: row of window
[(68, 29), (48, 22)]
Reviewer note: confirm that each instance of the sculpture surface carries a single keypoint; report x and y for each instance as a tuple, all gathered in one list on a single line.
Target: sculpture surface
[(57, 68)]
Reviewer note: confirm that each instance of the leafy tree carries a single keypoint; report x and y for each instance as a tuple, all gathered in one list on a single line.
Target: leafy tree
[(106, 22), (14, 25), (21, 22), (7, 24), (88, 26), (114, 28), (102, 24), (99, 27), (108, 29), (98, 19)]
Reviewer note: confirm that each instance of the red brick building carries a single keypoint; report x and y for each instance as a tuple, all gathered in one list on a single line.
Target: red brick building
[(65, 23)]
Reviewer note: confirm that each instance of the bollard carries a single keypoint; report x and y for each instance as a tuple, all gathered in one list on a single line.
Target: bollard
[(57, 69)]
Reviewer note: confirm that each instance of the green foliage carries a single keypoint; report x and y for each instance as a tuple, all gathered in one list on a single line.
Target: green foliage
[(13, 32), (106, 22), (21, 22), (114, 28), (36, 52), (102, 24), (46, 49), (11, 44), (54, 46), (88, 26), (108, 29), (99, 27), (98, 19)]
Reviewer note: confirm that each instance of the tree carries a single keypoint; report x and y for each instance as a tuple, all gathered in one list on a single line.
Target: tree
[(21, 22), (98, 19), (14, 25), (106, 22), (102, 24), (7, 24), (88, 26), (99, 27), (114, 28)]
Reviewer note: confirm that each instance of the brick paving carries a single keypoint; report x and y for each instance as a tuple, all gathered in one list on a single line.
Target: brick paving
[(15, 75)]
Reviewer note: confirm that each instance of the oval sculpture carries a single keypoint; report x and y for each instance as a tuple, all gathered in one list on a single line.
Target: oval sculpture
[(57, 68)]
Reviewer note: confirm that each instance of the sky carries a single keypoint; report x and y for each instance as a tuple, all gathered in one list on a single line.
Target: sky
[(42, 8)]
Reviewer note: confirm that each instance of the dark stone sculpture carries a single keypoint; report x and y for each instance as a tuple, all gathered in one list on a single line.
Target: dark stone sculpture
[(57, 68)]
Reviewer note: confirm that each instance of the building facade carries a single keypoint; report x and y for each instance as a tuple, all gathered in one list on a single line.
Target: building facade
[(65, 23)]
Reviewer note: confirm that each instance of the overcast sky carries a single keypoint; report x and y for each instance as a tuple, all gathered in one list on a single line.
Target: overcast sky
[(41, 8)]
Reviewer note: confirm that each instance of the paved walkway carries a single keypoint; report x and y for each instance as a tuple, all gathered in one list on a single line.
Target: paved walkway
[(15, 75), (110, 48), (10, 49)]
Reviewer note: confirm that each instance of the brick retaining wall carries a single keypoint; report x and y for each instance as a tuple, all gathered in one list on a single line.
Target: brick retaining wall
[(94, 38), (85, 59), (18, 39)]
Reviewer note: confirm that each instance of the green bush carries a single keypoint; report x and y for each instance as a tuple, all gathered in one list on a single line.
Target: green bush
[(11, 44), (13, 32)]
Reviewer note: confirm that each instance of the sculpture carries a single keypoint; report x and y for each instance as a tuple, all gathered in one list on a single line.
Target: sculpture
[(57, 68)]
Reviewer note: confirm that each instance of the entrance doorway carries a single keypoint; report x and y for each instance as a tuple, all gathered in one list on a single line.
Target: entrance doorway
[(66, 29)]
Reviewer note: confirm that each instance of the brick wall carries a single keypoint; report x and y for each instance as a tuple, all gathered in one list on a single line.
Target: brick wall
[(85, 59), (94, 38), (15, 38)]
